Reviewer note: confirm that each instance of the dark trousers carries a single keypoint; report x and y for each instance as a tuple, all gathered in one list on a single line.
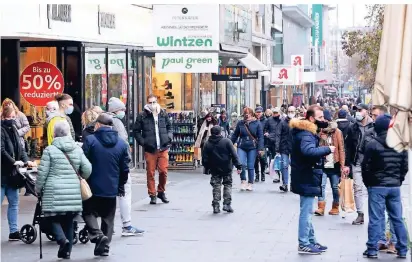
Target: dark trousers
[(262, 161), (216, 181), (62, 228), (103, 207)]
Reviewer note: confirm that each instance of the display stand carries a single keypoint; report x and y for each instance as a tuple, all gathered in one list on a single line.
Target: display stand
[(181, 153)]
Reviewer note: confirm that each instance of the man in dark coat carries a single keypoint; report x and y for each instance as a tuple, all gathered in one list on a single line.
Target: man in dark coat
[(383, 171), (260, 159), (285, 146), (153, 131), (219, 156), (306, 173), (271, 131)]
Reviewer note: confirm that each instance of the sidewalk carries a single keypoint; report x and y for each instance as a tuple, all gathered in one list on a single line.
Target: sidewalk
[(263, 228)]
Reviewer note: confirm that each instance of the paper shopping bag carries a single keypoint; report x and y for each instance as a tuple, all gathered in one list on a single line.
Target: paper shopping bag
[(346, 198)]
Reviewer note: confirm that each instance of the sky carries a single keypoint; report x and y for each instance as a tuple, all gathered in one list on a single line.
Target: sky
[(346, 14)]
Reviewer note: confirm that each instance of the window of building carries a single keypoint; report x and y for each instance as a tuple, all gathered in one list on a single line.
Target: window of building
[(117, 74), (190, 80), (233, 96), (96, 77), (221, 93), (207, 92)]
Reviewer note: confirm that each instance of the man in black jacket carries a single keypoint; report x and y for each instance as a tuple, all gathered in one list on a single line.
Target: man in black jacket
[(219, 156), (355, 145), (153, 131), (260, 159), (285, 147), (383, 171), (271, 131)]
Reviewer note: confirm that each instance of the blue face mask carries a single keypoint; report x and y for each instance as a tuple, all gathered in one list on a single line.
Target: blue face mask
[(120, 115), (68, 110)]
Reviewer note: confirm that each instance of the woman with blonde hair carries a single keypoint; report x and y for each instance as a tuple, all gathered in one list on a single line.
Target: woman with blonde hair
[(89, 118), (22, 124)]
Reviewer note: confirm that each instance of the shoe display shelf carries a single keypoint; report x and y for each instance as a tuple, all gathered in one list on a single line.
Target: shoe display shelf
[(182, 150)]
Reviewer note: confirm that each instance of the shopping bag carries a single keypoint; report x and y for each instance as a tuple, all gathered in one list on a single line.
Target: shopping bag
[(346, 197), (274, 167), (277, 164)]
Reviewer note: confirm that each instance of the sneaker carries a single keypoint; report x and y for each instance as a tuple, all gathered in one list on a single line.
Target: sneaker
[(243, 185), (101, 244), (359, 220), (227, 208), (402, 256), (64, 250), (321, 247), (256, 178), (284, 188), (309, 250), (106, 251), (391, 249), (276, 180), (249, 187), (368, 255), (15, 236), (216, 209), (131, 231)]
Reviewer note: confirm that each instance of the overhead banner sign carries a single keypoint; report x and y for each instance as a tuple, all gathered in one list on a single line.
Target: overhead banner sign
[(186, 27), (317, 17), (96, 62), (298, 68), (229, 73), (187, 62), (282, 75)]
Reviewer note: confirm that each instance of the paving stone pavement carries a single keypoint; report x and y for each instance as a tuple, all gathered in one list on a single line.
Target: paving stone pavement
[(262, 228)]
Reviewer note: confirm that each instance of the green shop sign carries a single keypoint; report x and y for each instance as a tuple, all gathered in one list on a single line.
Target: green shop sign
[(187, 62), (95, 63), (317, 29), (170, 41)]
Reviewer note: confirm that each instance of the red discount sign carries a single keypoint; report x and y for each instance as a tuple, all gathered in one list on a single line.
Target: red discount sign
[(40, 82)]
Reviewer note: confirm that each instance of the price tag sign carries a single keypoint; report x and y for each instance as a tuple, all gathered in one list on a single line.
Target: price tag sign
[(40, 82)]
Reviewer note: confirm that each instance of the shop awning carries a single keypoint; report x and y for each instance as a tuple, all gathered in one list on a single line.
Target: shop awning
[(232, 51), (253, 64)]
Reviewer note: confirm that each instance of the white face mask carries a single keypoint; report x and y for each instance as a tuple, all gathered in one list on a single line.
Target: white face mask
[(359, 117), (291, 115)]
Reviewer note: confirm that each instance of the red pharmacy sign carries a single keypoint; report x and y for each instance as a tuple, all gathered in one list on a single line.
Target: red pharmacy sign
[(40, 82)]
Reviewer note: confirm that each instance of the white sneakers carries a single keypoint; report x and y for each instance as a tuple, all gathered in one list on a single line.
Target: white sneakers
[(246, 186)]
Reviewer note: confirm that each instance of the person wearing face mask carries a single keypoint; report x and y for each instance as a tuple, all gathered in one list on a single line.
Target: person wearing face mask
[(66, 108), (250, 141), (271, 132), (261, 160), (306, 173), (53, 116), (22, 124), (355, 152), (12, 155), (153, 131), (285, 146)]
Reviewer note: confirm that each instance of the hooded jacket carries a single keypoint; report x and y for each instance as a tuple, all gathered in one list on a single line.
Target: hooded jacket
[(306, 159), (382, 166), (110, 160), (145, 132), (219, 156), (57, 179)]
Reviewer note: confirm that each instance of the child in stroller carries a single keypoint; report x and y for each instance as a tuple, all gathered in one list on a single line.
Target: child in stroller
[(28, 232)]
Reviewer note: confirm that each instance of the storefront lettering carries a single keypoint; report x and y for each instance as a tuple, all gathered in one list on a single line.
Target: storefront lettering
[(185, 41), (189, 61), (62, 13), (107, 20)]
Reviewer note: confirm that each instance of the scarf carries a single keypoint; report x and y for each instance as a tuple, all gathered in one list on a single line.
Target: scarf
[(155, 110), (205, 127)]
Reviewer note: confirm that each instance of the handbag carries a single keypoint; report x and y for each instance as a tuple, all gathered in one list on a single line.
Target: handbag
[(85, 190), (250, 134), (16, 179)]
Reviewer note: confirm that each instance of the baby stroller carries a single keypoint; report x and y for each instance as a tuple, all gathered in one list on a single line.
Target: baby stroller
[(28, 232)]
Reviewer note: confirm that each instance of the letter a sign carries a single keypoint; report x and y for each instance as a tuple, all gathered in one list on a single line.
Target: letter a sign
[(298, 66)]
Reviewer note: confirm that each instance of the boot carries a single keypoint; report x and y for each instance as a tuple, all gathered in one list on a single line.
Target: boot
[(153, 200), (321, 208), (162, 196), (216, 209), (256, 177), (228, 208), (359, 220), (335, 209), (262, 177)]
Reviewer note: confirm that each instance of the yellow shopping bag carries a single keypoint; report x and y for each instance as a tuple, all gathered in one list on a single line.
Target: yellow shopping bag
[(346, 197)]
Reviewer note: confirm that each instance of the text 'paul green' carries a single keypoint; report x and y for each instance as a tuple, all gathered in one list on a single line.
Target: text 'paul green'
[(171, 41)]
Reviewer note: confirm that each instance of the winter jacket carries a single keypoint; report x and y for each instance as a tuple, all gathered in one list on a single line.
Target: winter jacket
[(355, 141), (11, 150), (285, 139), (69, 120), (306, 159), (246, 142), (50, 127), (120, 128), (110, 161), (219, 155), (262, 120), (57, 182), (224, 124), (273, 127), (343, 125), (23, 126), (382, 166), (145, 132), (337, 141)]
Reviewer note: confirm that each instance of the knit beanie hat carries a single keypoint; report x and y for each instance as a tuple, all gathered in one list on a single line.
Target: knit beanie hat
[(327, 115), (342, 114), (382, 123), (115, 104)]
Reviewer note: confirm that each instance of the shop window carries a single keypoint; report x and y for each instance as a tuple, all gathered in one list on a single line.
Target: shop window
[(233, 97), (148, 66), (207, 92), (96, 77), (188, 91), (117, 86), (168, 89), (243, 101), (221, 93)]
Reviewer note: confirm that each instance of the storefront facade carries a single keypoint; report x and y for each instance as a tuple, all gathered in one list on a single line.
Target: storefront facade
[(91, 45)]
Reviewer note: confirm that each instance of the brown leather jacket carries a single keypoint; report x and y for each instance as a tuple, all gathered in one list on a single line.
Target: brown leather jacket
[(337, 141)]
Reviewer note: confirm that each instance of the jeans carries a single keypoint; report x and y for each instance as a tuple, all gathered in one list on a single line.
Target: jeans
[(359, 188), (285, 168), (125, 204), (306, 231), (247, 159), (383, 239), (334, 184), (12, 195), (62, 228), (379, 197)]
